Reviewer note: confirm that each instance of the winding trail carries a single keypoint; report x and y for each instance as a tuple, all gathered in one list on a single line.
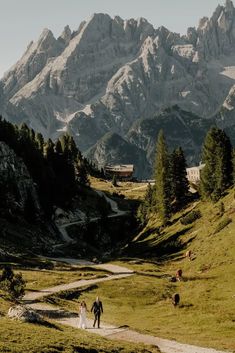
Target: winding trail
[(62, 227), (106, 330)]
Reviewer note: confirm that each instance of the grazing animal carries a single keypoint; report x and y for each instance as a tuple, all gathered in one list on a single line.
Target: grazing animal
[(189, 254), (175, 299), (178, 274), (172, 279)]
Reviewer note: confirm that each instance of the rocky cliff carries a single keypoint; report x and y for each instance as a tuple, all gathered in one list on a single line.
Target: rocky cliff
[(19, 202), (15, 182), (110, 73)]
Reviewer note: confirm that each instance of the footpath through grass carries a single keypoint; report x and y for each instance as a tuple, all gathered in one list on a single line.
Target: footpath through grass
[(18, 337), (206, 315)]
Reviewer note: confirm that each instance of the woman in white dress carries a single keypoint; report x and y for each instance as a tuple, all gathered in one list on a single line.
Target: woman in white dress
[(82, 315)]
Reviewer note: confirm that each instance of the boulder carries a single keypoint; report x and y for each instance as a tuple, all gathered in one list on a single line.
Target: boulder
[(24, 314)]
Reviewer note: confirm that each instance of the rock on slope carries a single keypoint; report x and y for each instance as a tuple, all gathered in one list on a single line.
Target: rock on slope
[(18, 193), (110, 73), (15, 181)]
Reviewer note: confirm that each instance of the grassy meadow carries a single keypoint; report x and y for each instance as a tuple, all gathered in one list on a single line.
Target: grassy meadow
[(206, 314), (17, 337), (131, 190)]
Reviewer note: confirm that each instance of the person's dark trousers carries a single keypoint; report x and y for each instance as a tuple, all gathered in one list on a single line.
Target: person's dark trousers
[(97, 318)]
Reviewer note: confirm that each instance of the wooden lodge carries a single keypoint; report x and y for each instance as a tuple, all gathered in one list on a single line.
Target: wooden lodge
[(121, 171)]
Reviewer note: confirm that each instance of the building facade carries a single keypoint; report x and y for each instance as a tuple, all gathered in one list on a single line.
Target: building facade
[(121, 171), (194, 173)]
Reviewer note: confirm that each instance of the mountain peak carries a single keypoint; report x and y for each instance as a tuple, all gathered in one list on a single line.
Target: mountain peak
[(46, 39), (45, 34), (66, 34), (229, 6)]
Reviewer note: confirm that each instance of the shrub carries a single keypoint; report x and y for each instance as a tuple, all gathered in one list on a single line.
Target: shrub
[(114, 180), (221, 209), (190, 217), (12, 285), (222, 224)]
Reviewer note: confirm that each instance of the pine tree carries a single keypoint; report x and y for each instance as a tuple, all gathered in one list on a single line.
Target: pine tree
[(39, 141), (32, 135), (180, 184), (49, 150), (81, 173), (65, 145), (58, 148), (146, 207), (162, 179), (114, 180), (217, 175), (72, 149)]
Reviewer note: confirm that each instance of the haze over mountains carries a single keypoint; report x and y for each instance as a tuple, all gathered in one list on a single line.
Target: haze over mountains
[(128, 79)]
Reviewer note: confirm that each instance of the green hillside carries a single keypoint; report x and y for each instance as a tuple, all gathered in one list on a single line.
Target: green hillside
[(206, 314)]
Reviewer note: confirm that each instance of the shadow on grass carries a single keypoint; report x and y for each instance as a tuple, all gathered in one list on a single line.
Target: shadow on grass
[(185, 306), (198, 278), (56, 314), (49, 325), (144, 274), (163, 246)]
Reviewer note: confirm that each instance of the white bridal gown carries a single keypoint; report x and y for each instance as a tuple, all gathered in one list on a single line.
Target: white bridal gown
[(82, 317)]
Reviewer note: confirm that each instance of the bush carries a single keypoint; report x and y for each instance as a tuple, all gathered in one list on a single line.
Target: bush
[(12, 285), (222, 224), (114, 180), (190, 217), (221, 209)]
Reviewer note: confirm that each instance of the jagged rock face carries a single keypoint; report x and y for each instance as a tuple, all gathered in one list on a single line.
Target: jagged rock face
[(32, 62), (181, 128), (110, 73), (13, 172), (217, 35)]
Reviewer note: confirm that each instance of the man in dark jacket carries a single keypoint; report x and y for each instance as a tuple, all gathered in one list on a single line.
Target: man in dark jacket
[(97, 308)]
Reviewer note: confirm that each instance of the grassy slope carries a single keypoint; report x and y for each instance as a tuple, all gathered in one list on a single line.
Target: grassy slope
[(206, 316), (131, 190), (207, 313), (27, 338), (19, 337)]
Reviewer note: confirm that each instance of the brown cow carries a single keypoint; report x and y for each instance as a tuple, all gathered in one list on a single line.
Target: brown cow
[(178, 274)]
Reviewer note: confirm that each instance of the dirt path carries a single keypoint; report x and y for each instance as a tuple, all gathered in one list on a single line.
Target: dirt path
[(62, 227), (106, 330), (117, 273), (31, 296)]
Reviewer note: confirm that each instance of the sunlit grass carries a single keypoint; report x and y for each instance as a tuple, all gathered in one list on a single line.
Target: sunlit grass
[(206, 315), (18, 337), (131, 190)]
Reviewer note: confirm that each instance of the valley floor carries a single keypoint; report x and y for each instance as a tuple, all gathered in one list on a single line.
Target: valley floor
[(107, 330)]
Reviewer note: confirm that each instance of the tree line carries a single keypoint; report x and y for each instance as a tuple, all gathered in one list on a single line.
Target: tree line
[(57, 168), (170, 192)]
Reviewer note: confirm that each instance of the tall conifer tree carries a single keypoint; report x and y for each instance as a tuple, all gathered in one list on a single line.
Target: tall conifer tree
[(162, 179), (217, 175), (180, 184)]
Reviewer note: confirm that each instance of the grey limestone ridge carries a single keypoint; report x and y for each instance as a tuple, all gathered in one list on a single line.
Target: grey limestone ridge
[(113, 74)]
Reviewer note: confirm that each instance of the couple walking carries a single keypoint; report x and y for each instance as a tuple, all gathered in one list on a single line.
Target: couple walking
[(97, 308)]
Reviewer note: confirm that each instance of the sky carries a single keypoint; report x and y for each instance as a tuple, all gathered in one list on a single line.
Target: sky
[(22, 21)]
